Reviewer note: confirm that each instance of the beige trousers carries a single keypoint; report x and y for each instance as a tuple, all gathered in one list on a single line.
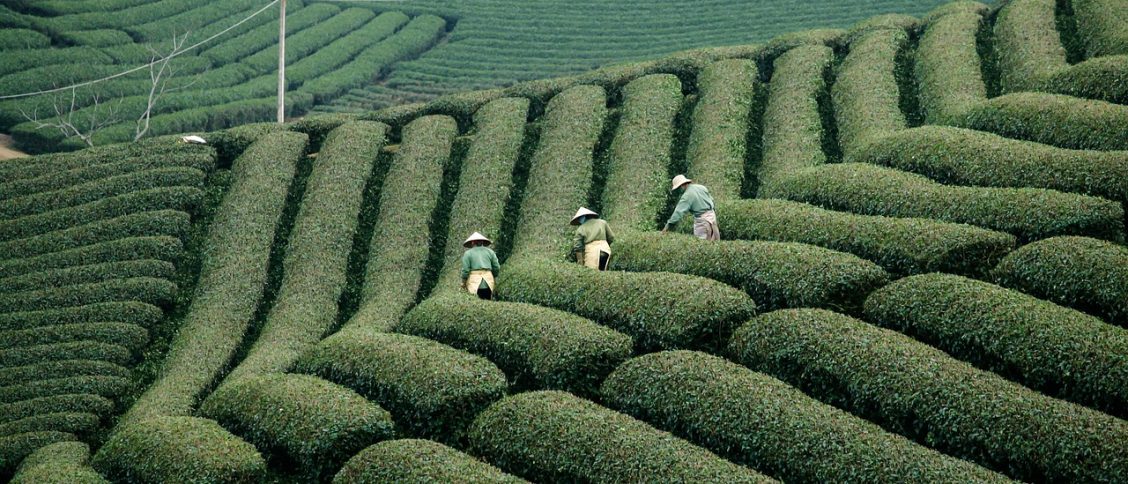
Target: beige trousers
[(705, 226), (475, 279), (592, 251)]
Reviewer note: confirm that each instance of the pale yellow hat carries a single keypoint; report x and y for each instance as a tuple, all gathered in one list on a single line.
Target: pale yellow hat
[(580, 213), (679, 181), (476, 237)]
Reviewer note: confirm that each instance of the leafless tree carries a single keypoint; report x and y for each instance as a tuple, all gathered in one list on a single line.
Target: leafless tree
[(160, 71), (100, 116)]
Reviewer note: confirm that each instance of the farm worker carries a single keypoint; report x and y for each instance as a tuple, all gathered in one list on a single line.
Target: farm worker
[(695, 199), (479, 266), (593, 240)]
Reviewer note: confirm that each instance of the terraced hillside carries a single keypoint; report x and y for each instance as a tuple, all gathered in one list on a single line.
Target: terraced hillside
[(922, 276)]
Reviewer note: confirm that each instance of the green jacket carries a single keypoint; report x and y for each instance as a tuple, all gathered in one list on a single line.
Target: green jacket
[(478, 258), (591, 230), (695, 200)]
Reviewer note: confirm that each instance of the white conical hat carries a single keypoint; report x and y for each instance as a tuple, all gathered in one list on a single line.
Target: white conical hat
[(580, 213), (475, 237), (679, 181)]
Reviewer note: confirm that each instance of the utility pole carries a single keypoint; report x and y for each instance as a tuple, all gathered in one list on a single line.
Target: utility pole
[(282, 64)]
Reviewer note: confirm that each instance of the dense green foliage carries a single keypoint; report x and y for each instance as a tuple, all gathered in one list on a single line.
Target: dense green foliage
[(948, 66), (413, 461), (1064, 121), (793, 129), (1028, 49), (1101, 24), (866, 93), (59, 463), (717, 146), (183, 449)]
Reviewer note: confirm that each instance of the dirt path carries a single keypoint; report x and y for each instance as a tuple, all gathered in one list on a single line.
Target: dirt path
[(6, 150)]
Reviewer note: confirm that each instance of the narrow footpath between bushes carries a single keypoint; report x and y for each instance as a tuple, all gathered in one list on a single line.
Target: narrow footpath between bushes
[(6, 150)]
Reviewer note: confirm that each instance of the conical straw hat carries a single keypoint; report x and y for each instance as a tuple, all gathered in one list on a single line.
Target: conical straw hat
[(475, 237), (679, 181), (580, 213)]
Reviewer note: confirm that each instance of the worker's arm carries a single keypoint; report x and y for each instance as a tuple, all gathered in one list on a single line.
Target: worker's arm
[(610, 236), (679, 211), (465, 267), (495, 266), (578, 243)]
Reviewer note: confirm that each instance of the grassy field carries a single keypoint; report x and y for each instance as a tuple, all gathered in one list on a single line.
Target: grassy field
[(922, 273)]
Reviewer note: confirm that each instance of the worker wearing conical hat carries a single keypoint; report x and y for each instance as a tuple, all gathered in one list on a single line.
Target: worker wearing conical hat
[(694, 199), (479, 266), (593, 240)]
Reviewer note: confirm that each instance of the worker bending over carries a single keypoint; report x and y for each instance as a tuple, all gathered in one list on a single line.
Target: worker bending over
[(593, 240), (479, 266), (695, 199)]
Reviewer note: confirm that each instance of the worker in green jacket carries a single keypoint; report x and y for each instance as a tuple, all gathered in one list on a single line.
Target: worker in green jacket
[(479, 266), (592, 247), (694, 199)]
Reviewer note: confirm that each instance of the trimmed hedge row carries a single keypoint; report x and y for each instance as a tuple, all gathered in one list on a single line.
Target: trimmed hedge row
[(865, 93), (412, 461), (65, 176), (58, 463), (556, 437), (756, 420), (172, 223), (1087, 274), (775, 274), (74, 423), (168, 198), (318, 250), (147, 256), (401, 240), (499, 135), (640, 152), (126, 334), (660, 310), (158, 292), (163, 151), (88, 274), (178, 449), (561, 171), (902, 246), (1100, 23), (1028, 213), (141, 314), (104, 386), (15, 448), (793, 130), (18, 375), (78, 402), (96, 38), (310, 40), (432, 390), (77, 350), (265, 36), (325, 60), (1028, 49), (14, 39), (100, 189), (537, 347), (1053, 119), (1055, 350), (232, 276), (198, 18), (920, 392), (718, 143), (948, 67), (315, 423)]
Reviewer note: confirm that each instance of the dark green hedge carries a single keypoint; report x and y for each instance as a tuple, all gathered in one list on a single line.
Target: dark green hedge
[(265, 36), (173, 223), (865, 93), (660, 310), (15, 39), (178, 449), (554, 436), (96, 38), (168, 198), (1028, 213), (87, 274), (413, 461), (1087, 274), (74, 423), (315, 423), (127, 335), (18, 375), (326, 60), (537, 347), (922, 393), (316, 36), (165, 151), (1100, 23), (66, 176), (98, 189), (14, 448), (1027, 47), (1054, 119), (76, 402), (158, 292), (775, 274), (432, 390), (756, 420), (115, 253), (1104, 78), (141, 314), (1055, 350), (948, 67), (901, 246), (717, 145), (77, 350), (104, 386), (793, 130), (58, 463)]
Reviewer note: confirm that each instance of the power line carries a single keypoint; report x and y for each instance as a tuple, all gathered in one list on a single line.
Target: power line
[(135, 69)]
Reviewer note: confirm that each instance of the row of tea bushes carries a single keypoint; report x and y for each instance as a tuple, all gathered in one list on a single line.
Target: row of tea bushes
[(717, 146)]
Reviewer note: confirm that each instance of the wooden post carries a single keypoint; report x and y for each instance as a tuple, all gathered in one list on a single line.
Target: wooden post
[(282, 64)]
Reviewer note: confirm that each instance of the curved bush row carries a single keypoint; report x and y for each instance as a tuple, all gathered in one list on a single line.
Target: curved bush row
[(178, 449), (948, 67), (1028, 49), (13, 449), (966, 157), (1100, 23), (100, 189), (922, 393), (756, 420), (124, 334), (20, 60), (77, 350), (264, 36), (172, 223), (901, 246), (141, 314), (88, 274), (318, 250), (432, 390), (401, 240), (793, 130), (865, 93), (775, 274), (65, 176), (1028, 213), (660, 310), (556, 437), (889, 21), (1053, 119), (158, 292), (74, 423), (18, 375), (96, 38), (637, 186), (718, 143), (103, 386), (561, 171), (14, 39), (413, 461), (76, 402), (1087, 274), (310, 40), (58, 463), (162, 151), (537, 347), (193, 20), (315, 423), (487, 169), (325, 60), (1056, 350), (231, 279), (168, 198)]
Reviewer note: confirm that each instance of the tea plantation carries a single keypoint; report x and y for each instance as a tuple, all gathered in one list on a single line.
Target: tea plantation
[(922, 275)]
